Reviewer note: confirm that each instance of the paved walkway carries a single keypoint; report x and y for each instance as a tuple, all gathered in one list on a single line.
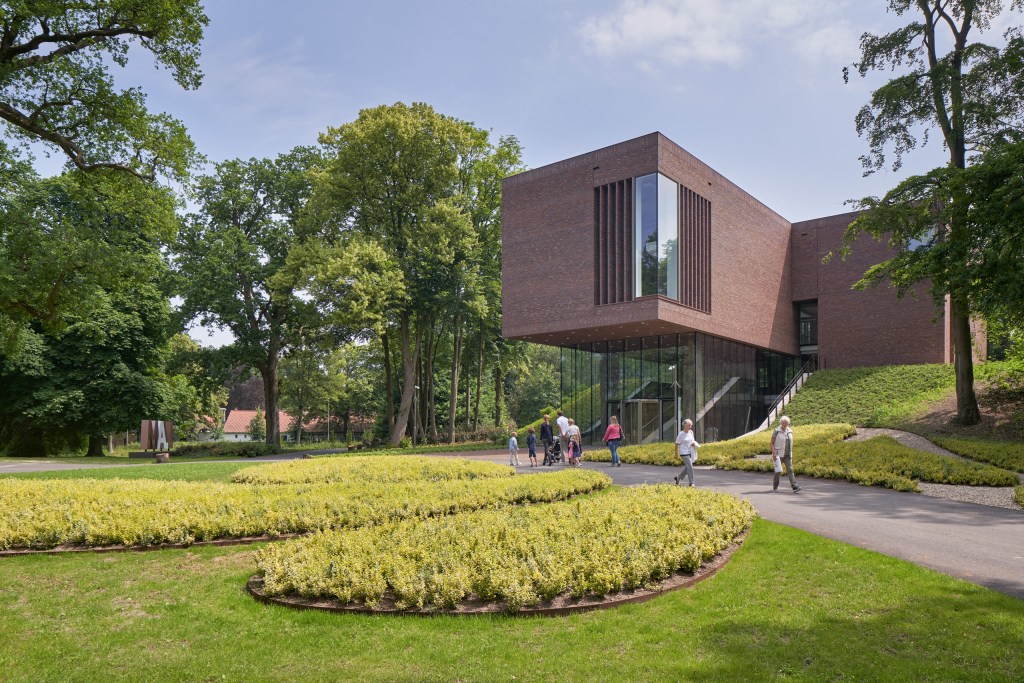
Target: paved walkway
[(977, 543)]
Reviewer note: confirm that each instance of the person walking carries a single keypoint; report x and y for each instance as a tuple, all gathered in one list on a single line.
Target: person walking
[(782, 453), (575, 443), (686, 447), (547, 438), (563, 432), (513, 450), (612, 437), (531, 445)]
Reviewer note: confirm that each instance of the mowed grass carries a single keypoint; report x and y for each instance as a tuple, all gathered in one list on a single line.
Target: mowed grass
[(870, 397), (789, 605), (208, 471)]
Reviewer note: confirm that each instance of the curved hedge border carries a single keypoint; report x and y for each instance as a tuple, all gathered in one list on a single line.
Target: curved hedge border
[(883, 461), (392, 469), (720, 451), (555, 608), (515, 558), (49, 513)]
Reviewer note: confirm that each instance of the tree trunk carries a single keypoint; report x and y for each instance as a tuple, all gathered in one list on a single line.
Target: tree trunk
[(453, 395), (410, 353), (967, 412), (95, 446), (479, 378), (268, 371), (469, 397), (499, 394), (431, 398), (389, 386)]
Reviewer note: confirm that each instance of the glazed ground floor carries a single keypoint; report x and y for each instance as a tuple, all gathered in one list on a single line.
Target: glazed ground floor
[(652, 384)]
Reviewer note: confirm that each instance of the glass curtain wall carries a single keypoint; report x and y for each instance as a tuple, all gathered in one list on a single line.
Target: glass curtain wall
[(656, 227), (653, 383)]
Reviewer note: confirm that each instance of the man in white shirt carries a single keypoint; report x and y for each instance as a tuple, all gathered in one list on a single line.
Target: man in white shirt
[(563, 435)]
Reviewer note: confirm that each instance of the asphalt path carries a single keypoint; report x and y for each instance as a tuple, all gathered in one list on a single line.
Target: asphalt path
[(977, 543)]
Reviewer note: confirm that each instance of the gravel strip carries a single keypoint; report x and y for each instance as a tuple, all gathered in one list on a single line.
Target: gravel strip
[(996, 496)]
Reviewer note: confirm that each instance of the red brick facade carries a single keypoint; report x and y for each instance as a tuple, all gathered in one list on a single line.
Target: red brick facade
[(761, 267)]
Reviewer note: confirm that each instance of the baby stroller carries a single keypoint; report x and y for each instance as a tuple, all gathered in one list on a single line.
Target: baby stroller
[(553, 453)]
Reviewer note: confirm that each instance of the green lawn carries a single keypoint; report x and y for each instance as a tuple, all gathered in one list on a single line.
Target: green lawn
[(790, 605), (198, 471)]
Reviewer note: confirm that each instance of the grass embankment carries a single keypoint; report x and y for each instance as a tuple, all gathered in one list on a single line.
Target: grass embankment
[(870, 397), (788, 605), (516, 558)]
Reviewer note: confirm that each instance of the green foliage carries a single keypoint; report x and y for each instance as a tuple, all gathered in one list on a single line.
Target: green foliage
[(70, 241), (258, 426), (49, 512), (237, 449), (1018, 496), (1006, 454), (235, 260), (870, 397), (720, 452), (518, 558), (882, 461), (56, 87)]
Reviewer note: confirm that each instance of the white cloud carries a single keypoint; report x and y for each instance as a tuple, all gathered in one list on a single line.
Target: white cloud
[(727, 32)]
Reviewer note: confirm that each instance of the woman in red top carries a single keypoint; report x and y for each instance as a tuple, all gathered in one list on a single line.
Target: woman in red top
[(612, 437)]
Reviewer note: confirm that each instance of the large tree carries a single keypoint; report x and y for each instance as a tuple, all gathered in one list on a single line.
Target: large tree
[(235, 263), (56, 86), (424, 188), (973, 94), (69, 240)]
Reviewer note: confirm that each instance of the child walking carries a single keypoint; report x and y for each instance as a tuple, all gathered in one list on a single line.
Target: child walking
[(531, 445), (513, 450)]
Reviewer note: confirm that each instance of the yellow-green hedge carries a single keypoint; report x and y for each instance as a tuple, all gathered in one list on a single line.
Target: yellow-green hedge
[(718, 452), (518, 557), (1006, 454), (882, 461), (392, 469), (44, 513)]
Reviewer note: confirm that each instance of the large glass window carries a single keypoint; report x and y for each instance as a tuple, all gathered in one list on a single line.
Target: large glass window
[(656, 238)]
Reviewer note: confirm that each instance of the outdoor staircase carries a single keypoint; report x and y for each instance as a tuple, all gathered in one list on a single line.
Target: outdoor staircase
[(786, 396)]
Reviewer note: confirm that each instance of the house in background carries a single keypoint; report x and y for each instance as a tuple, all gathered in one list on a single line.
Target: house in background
[(675, 294)]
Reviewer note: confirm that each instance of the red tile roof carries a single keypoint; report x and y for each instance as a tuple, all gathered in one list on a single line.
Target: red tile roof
[(238, 421)]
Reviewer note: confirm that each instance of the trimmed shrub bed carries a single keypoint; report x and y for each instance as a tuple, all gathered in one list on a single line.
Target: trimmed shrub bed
[(1006, 454), (244, 449), (882, 461), (720, 451), (370, 468), (48, 513), (517, 557)]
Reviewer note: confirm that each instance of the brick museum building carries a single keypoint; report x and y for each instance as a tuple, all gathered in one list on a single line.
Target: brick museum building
[(673, 293)]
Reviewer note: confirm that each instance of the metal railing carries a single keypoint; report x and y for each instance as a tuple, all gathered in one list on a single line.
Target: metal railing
[(788, 392)]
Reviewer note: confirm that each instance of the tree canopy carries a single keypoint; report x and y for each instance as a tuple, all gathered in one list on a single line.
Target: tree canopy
[(973, 93), (56, 86)]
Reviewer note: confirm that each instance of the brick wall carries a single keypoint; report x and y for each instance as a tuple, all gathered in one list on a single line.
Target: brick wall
[(548, 246), (869, 327)]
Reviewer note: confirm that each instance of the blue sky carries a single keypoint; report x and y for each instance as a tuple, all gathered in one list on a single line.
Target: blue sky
[(751, 87)]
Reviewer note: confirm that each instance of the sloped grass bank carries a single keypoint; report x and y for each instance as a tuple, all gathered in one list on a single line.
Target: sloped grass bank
[(883, 461), (789, 605), (51, 513), (516, 558), (870, 397)]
